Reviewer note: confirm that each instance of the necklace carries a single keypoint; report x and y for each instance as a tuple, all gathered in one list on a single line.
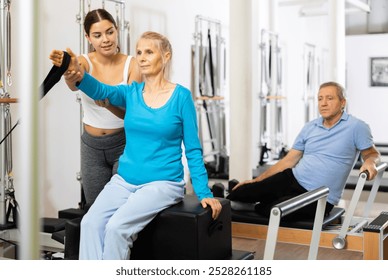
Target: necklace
[(153, 98)]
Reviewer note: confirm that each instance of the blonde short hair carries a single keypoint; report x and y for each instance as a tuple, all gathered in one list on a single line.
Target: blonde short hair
[(164, 47)]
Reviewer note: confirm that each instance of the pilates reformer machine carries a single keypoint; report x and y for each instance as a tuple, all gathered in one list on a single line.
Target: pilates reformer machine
[(340, 229), (310, 81), (271, 129), (209, 94), (8, 204)]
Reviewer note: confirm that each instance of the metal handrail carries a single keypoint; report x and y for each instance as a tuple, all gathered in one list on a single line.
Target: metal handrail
[(295, 203), (339, 242), (289, 206)]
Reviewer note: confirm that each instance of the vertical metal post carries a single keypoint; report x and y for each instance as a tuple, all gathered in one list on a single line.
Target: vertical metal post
[(375, 187), (28, 34), (80, 20), (121, 26), (317, 227), (339, 242), (272, 234), (4, 5)]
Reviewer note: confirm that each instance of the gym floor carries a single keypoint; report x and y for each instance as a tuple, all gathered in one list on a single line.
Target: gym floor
[(291, 251)]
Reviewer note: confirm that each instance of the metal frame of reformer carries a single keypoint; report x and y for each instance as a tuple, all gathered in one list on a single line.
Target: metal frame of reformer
[(271, 98), (6, 177), (287, 207), (348, 235), (209, 90)]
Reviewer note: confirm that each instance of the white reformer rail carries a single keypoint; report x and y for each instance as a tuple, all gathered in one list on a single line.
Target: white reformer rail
[(287, 207)]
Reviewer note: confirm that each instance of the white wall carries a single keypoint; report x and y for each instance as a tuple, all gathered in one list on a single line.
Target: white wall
[(366, 102), (295, 31)]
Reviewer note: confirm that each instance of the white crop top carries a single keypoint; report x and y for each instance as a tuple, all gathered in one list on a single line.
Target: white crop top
[(95, 115)]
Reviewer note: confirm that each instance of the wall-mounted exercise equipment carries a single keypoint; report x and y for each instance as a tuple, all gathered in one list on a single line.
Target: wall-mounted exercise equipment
[(271, 97), (208, 88), (311, 80), (119, 15), (8, 204), (118, 12)]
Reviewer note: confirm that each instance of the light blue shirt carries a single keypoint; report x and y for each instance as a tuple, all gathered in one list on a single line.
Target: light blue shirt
[(153, 150), (329, 154)]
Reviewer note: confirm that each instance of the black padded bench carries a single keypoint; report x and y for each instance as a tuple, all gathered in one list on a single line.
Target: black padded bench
[(185, 231)]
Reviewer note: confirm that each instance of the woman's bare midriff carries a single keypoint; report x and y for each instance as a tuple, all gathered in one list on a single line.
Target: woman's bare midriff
[(94, 131)]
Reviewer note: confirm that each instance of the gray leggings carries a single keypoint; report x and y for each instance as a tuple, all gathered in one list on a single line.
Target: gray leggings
[(99, 161)]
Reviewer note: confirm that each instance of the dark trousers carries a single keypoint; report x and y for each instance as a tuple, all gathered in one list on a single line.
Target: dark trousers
[(273, 190)]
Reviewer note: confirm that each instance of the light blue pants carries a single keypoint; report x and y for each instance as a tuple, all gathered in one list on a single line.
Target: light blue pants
[(120, 212)]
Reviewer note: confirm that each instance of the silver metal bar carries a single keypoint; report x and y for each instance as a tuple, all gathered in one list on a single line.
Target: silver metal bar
[(3, 185), (83, 48), (8, 141), (375, 187), (80, 19), (28, 32), (359, 5), (308, 80), (264, 91), (317, 228), (197, 55), (339, 242), (358, 226), (293, 204), (289, 206), (3, 47), (4, 80), (272, 234), (269, 32), (210, 20), (352, 206), (8, 44), (117, 1), (121, 26)]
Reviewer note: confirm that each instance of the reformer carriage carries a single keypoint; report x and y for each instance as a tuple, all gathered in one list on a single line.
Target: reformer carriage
[(341, 229)]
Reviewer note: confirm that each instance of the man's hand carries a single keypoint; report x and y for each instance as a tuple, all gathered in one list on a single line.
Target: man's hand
[(370, 169), (371, 158), (245, 182)]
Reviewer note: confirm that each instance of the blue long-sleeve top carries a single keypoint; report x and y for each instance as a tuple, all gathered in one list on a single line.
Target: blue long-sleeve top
[(153, 150)]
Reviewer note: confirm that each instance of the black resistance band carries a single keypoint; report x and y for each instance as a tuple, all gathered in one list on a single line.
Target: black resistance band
[(53, 77), (55, 74)]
